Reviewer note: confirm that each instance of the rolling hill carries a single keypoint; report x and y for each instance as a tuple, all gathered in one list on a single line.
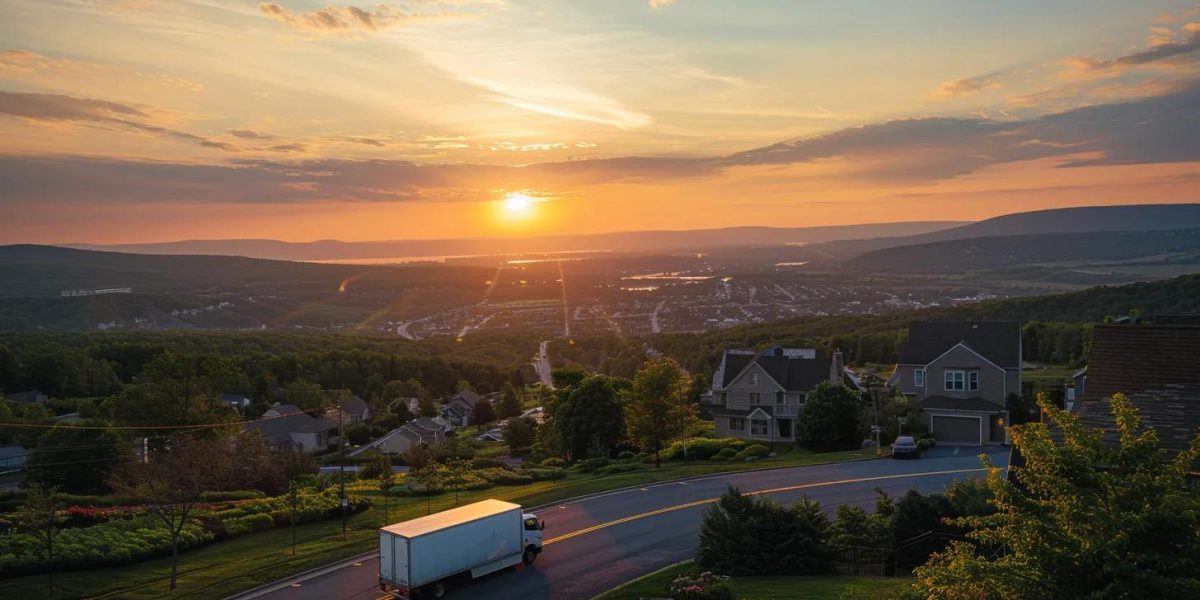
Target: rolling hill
[(1141, 217)]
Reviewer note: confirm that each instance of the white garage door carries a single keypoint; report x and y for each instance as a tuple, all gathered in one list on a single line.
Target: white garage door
[(956, 430)]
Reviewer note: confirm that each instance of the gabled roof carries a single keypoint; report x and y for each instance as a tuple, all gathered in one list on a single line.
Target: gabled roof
[(354, 405), (272, 427), (792, 372), (997, 341)]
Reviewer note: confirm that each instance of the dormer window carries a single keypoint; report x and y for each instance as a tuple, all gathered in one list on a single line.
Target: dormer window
[(754, 379)]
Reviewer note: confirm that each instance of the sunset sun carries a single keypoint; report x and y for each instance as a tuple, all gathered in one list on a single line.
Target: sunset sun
[(518, 205)]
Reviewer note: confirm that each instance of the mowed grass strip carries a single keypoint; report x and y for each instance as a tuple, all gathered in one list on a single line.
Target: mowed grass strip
[(224, 568), (658, 585)]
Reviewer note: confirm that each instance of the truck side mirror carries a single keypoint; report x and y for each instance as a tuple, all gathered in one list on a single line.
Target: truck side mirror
[(541, 525)]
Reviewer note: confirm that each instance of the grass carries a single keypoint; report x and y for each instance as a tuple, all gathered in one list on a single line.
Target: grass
[(224, 568), (658, 584)]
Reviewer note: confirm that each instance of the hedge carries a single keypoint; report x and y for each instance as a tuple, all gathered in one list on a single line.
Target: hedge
[(699, 448)]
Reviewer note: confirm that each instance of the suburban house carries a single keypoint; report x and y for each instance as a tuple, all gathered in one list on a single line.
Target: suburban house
[(1156, 364), (757, 395), (235, 400), (351, 408), (27, 397), (459, 407), (960, 373), (286, 426), (422, 430)]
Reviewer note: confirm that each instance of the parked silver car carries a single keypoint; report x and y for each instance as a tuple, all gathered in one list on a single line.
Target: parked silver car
[(905, 447)]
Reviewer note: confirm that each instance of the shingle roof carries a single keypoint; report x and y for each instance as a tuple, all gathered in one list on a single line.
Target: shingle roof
[(290, 423), (354, 404), (1173, 411), (795, 374), (1133, 358), (997, 341), (948, 403)]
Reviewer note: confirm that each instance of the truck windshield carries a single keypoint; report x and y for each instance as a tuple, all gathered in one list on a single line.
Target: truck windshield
[(531, 524)]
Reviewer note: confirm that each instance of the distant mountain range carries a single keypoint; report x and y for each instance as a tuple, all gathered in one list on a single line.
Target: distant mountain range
[(631, 241), (1138, 217)]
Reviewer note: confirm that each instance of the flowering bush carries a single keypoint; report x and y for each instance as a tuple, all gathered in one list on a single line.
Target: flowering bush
[(112, 543), (704, 586)]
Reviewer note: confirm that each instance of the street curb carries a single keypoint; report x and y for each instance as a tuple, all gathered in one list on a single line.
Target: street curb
[(627, 488), (301, 576), (321, 570), (635, 580)]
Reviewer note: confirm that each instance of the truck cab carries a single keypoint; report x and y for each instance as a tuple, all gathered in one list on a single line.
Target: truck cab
[(532, 537)]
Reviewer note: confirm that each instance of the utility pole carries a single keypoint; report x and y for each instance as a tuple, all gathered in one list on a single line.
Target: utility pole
[(342, 458)]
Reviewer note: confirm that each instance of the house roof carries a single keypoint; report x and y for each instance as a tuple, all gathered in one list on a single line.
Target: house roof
[(26, 397), (272, 428), (465, 398), (1134, 358), (286, 409), (11, 452), (793, 373), (948, 403), (233, 397), (354, 404), (1172, 410), (997, 341)]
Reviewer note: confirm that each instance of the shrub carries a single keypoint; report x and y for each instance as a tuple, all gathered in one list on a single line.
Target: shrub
[(719, 458), (512, 478), (700, 448), (704, 586), (752, 452), (487, 463), (589, 465), (231, 495), (617, 468), (769, 539), (249, 523), (626, 455), (553, 462), (727, 453), (547, 474)]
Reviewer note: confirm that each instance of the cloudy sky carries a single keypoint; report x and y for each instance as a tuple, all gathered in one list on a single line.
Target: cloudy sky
[(139, 120)]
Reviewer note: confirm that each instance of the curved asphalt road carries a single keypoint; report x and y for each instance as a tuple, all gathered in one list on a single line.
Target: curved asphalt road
[(599, 542)]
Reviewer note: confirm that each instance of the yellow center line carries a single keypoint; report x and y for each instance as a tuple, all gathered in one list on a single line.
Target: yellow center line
[(790, 488)]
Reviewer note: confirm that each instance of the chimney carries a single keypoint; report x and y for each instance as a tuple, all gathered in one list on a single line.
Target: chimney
[(835, 368)]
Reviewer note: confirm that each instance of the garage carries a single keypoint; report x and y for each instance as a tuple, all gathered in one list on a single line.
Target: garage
[(956, 430)]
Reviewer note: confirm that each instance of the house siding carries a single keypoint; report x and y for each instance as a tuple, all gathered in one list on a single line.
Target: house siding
[(993, 381)]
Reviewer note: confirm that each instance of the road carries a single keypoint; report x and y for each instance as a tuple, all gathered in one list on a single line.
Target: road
[(596, 543), (541, 364)]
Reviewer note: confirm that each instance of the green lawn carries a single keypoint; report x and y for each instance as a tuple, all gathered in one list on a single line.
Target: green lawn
[(657, 585), (224, 568)]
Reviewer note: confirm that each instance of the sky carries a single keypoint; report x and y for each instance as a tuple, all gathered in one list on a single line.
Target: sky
[(138, 121)]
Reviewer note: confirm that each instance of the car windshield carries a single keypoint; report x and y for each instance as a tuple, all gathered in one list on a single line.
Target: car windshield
[(904, 441)]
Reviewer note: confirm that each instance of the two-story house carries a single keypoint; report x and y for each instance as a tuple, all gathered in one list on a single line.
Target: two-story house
[(758, 395), (960, 373)]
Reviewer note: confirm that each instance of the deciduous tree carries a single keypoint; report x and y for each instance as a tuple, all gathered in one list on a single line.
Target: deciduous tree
[(657, 412)]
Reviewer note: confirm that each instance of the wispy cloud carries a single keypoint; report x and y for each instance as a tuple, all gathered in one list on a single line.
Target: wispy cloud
[(1165, 45), (23, 64), (354, 20), (957, 88), (659, 4)]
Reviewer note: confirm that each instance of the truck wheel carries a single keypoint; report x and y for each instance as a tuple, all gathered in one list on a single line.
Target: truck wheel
[(529, 556), (435, 590)]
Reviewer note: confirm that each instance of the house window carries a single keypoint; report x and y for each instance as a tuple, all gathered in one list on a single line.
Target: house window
[(956, 381), (754, 379), (779, 399), (972, 380), (758, 428), (755, 397), (919, 377), (737, 424)]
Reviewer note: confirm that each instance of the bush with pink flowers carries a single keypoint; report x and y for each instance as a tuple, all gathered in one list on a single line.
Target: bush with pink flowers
[(705, 586)]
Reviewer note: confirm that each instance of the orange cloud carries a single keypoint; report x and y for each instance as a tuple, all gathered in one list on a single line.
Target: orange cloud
[(957, 88), (354, 20)]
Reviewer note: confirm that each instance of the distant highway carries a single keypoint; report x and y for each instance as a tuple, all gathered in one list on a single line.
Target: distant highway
[(596, 543)]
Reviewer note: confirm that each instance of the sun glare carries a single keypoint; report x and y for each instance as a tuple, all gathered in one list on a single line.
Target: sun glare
[(518, 205)]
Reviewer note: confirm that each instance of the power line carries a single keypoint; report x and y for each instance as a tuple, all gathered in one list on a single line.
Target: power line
[(148, 427)]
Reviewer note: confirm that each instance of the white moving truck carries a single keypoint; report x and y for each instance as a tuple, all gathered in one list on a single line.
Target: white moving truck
[(417, 556)]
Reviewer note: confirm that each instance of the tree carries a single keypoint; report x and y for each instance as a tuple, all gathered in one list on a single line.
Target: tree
[(379, 465), (426, 408), (656, 413), (568, 377), (519, 432), (75, 461), (307, 396), (742, 535), (510, 404), (456, 470), (387, 479), (171, 391), (39, 518), (171, 480), (590, 420), (417, 456), (482, 413), (1083, 519), (829, 418)]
